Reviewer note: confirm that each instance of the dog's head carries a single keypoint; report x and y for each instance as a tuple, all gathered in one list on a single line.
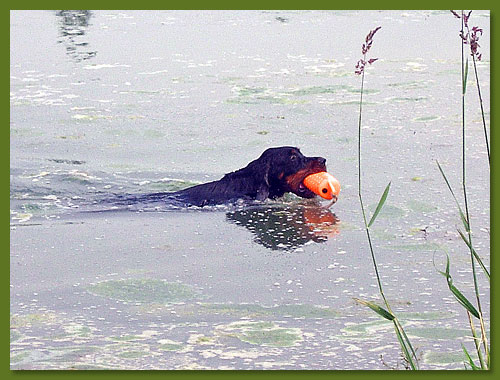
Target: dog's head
[(284, 171)]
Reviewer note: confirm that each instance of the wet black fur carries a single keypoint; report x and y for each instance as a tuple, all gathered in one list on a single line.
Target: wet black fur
[(266, 177)]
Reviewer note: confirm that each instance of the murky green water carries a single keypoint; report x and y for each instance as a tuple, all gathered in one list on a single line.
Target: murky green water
[(109, 103)]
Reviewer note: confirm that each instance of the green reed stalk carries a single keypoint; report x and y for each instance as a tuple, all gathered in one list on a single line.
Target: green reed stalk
[(360, 194), (470, 39), (482, 109), (473, 46), (403, 339), (464, 161), (361, 197)]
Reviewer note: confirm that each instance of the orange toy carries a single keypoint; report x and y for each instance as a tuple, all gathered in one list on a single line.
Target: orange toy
[(323, 184)]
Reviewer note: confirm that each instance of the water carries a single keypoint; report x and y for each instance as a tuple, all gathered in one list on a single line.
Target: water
[(109, 103)]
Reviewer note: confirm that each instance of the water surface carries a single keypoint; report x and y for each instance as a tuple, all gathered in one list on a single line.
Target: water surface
[(107, 103)]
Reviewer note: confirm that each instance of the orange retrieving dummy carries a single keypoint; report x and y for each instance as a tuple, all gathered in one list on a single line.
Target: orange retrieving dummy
[(323, 184)]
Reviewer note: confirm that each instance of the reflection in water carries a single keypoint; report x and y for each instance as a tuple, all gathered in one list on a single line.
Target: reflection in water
[(287, 228), (72, 28)]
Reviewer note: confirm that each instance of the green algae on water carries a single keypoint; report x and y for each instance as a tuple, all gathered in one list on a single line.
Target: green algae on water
[(143, 291)]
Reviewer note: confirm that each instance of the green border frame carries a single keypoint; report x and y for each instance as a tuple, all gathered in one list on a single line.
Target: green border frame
[(256, 4)]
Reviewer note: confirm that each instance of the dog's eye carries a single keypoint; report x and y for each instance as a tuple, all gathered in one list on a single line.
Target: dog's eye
[(293, 157)]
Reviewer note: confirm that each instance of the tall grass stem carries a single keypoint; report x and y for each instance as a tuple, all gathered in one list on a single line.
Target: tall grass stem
[(407, 348)]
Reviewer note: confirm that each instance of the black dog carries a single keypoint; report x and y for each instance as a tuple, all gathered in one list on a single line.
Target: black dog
[(275, 172)]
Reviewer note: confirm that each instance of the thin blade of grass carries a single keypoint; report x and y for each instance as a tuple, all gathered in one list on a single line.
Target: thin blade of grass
[(407, 340), (462, 215), (477, 341), (482, 109), (380, 204), (469, 359), (464, 238), (462, 300), (376, 308), (466, 73), (404, 347)]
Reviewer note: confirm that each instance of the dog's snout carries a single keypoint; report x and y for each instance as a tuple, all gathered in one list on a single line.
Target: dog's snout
[(321, 160)]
